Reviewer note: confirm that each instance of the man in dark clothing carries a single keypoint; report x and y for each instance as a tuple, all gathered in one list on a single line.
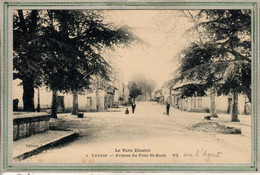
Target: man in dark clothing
[(167, 108), (15, 104), (133, 105)]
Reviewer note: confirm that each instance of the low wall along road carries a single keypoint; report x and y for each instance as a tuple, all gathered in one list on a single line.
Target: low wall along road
[(27, 124)]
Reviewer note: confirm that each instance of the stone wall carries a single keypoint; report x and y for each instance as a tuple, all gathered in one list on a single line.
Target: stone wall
[(27, 124)]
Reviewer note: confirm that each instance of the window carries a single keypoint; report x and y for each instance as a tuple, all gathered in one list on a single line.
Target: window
[(193, 102), (200, 103), (89, 101)]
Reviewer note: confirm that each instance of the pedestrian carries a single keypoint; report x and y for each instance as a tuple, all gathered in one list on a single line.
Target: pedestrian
[(15, 104), (126, 111), (133, 105), (167, 108)]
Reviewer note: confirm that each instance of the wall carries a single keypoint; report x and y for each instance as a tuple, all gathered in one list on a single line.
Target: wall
[(27, 124)]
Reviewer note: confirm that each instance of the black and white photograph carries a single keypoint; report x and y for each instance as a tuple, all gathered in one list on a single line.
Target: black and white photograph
[(129, 86)]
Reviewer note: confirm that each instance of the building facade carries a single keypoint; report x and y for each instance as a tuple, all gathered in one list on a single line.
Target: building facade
[(202, 104), (101, 96)]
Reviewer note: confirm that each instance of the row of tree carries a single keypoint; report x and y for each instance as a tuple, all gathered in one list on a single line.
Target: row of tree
[(140, 86), (219, 60), (62, 50)]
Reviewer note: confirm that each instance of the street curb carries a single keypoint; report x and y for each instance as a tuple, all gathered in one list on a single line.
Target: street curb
[(56, 142)]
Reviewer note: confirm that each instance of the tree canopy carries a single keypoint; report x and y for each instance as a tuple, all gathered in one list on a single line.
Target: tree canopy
[(134, 90), (146, 85), (63, 48), (27, 63), (223, 60)]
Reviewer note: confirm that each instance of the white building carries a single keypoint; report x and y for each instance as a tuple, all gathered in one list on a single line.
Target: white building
[(202, 104), (101, 96)]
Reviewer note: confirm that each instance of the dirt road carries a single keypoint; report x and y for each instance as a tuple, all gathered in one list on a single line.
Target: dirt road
[(149, 136)]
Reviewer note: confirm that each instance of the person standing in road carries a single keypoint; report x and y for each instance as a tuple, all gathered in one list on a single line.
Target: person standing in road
[(167, 108), (133, 105)]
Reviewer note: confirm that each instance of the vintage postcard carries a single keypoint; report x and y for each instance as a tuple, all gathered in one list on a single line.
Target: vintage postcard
[(121, 86)]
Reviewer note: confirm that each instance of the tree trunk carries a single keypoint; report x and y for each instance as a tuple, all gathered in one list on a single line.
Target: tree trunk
[(54, 105), (97, 100), (249, 95), (75, 107), (38, 107), (28, 95), (213, 111), (234, 117)]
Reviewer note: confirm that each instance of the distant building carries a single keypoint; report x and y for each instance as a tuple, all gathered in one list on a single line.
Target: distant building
[(158, 96), (201, 104), (101, 95), (166, 92), (146, 96), (121, 93)]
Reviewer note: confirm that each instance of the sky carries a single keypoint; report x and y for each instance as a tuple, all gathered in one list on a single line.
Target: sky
[(163, 35)]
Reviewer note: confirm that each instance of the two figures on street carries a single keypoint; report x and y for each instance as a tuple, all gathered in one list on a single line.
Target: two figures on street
[(133, 105)]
